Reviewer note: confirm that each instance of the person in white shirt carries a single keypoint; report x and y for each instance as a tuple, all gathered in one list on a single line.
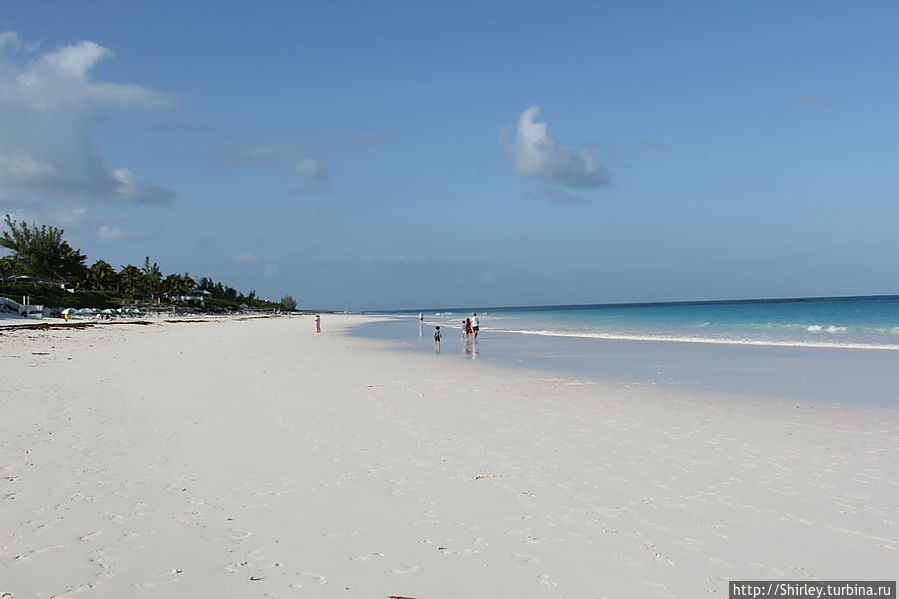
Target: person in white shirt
[(475, 325)]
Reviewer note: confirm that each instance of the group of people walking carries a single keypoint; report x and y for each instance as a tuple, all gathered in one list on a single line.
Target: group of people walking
[(470, 328)]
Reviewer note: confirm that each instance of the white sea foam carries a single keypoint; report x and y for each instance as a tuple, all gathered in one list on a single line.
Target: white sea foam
[(712, 340), (817, 328)]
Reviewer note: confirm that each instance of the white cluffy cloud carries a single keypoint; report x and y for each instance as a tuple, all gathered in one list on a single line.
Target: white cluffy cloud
[(247, 257), (292, 158), (538, 155), (50, 109), (114, 234), (295, 159)]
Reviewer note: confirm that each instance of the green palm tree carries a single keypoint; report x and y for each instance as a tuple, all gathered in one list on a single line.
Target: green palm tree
[(131, 278), (175, 285), (102, 275), (152, 277)]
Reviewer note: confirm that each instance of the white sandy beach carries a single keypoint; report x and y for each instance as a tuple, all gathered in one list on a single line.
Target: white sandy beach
[(256, 458)]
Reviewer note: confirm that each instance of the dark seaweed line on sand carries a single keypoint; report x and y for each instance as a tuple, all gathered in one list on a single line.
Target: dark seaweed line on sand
[(63, 325)]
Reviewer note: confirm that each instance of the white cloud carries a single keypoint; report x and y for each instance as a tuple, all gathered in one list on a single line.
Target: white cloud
[(292, 158), (61, 216), (247, 258), (111, 233), (538, 155), (108, 233), (309, 167), (136, 192), (50, 109)]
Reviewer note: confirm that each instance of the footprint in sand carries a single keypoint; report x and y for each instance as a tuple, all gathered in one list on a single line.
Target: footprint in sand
[(365, 558), (692, 545), (529, 559), (99, 558), (114, 518), (240, 535), (172, 572), (150, 585), (131, 534), (30, 554), (89, 537), (656, 554), (546, 581), (717, 561), (406, 570), (316, 578)]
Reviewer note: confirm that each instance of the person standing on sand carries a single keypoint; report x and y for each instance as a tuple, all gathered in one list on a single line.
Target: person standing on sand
[(421, 317), (318, 323), (476, 325), (437, 340)]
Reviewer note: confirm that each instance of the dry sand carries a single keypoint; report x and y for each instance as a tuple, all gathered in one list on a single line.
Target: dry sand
[(255, 458)]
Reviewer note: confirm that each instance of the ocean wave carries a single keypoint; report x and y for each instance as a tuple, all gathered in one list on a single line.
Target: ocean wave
[(711, 340), (832, 329), (816, 328)]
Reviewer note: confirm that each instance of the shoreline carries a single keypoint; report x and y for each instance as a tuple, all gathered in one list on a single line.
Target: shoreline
[(847, 376), (258, 458)]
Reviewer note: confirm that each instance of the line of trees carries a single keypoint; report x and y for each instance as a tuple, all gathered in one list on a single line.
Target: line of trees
[(41, 254)]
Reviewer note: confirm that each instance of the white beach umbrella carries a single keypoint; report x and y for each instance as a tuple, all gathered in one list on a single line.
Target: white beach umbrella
[(69, 311), (86, 311), (108, 311)]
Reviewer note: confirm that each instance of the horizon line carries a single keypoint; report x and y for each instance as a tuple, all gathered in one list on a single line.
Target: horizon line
[(645, 304)]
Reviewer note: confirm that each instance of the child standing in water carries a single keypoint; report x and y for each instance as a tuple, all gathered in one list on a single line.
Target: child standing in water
[(437, 339)]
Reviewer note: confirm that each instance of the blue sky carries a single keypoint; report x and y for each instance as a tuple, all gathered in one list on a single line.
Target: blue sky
[(404, 155)]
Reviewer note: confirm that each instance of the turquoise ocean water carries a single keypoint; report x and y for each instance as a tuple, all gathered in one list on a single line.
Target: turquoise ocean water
[(818, 349), (846, 323)]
